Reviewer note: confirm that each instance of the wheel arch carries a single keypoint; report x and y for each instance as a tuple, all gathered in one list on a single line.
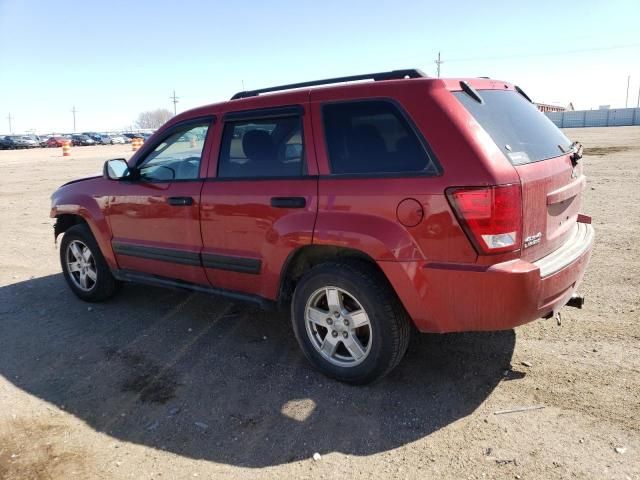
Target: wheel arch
[(69, 216), (306, 257), (65, 221)]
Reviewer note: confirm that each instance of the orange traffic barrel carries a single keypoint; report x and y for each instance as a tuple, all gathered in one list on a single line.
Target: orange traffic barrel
[(136, 143), (192, 141), (66, 148)]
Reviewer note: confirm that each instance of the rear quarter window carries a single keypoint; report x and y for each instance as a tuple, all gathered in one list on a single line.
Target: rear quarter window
[(373, 137), (519, 129)]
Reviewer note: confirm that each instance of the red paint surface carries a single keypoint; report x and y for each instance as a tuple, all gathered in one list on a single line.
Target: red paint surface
[(438, 275)]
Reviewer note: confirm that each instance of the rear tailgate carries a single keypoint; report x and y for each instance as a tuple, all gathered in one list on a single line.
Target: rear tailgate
[(538, 150), (551, 201)]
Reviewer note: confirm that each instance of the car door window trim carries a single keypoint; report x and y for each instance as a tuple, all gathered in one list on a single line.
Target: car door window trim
[(147, 149), (264, 113)]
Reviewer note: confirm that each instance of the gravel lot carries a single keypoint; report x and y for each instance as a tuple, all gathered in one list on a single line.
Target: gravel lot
[(164, 384)]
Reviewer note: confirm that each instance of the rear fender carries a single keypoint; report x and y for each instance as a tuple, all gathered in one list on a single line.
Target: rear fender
[(377, 237)]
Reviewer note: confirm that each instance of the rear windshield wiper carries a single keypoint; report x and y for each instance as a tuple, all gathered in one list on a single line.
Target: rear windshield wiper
[(576, 152)]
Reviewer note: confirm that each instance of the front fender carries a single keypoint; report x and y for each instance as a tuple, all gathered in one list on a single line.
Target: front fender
[(85, 199)]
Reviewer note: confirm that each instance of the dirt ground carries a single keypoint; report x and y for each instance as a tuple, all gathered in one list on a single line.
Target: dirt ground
[(164, 384)]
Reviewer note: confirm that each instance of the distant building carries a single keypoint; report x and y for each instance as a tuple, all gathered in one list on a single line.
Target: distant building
[(543, 107)]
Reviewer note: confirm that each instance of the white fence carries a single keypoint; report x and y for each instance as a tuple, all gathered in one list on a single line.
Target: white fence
[(613, 117)]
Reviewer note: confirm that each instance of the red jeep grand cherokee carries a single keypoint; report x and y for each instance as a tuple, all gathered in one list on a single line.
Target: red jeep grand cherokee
[(449, 204)]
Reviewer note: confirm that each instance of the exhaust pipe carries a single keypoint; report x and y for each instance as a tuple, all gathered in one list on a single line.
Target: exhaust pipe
[(576, 301)]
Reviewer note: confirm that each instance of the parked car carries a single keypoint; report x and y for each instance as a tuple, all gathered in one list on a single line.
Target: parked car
[(102, 139), (20, 141), (35, 140), (82, 140), (93, 136), (41, 139), (5, 143), (118, 139), (450, 204), (56, 141)]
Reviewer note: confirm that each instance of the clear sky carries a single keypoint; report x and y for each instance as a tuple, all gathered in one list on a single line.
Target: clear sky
[(112, 60)]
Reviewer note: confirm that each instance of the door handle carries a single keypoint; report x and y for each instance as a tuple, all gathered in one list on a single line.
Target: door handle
[(180, 201), (288, 202)]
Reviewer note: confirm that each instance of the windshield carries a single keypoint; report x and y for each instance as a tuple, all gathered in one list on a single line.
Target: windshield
[(518, 128)]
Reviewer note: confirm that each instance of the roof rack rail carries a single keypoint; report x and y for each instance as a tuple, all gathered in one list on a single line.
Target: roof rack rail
[(392, 75)]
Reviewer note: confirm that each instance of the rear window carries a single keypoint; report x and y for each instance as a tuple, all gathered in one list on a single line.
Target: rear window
[(520, 130), (373, 137), (262, 148)]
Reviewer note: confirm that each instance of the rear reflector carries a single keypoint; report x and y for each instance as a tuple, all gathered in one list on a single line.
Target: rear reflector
[(490, 216)]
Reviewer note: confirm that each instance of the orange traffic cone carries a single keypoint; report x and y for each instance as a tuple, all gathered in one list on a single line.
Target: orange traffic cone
[(192, 141), (136, 143), (66, 148)]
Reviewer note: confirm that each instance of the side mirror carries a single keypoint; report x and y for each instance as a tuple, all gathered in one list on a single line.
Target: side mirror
[(116, 169)]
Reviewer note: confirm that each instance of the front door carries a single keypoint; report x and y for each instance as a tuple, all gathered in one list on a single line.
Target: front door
[(262, 204), (155, 218)]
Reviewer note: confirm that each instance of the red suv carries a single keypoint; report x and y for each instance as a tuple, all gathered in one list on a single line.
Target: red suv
[(365, 207)]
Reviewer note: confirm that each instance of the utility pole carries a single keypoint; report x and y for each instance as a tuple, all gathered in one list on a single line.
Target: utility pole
[(9, 117), (74, 111), (439, 62), (638, 104), (626, 102), (174, 99)]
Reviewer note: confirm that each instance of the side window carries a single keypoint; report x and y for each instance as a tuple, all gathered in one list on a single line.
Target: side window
[(177, 157), (372, 137), (262, 148)]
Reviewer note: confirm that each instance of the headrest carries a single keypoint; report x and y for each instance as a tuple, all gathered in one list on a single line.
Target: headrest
[(257, 145)]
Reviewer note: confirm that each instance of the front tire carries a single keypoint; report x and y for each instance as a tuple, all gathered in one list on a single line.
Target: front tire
[(349, 322), (84, 267)]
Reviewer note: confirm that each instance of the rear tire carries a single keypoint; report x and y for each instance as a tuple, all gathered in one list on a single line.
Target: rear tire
[(85, 269), (349, 322)]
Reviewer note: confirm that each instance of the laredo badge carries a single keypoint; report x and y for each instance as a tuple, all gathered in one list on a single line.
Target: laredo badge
[(532, 240)]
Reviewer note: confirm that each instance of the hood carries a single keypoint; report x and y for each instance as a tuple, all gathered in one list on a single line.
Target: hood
[(78, 180)]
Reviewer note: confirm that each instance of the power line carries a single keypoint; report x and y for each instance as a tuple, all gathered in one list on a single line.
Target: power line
[(174, 99), (545, 54), (9, 117), (439, 62), (74, 111)]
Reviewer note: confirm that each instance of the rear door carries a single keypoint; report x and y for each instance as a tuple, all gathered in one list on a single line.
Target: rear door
[(261, 203), (551, 185), (155, 219)]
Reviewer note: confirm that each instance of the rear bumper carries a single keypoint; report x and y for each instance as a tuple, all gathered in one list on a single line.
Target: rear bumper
[(457, 298)]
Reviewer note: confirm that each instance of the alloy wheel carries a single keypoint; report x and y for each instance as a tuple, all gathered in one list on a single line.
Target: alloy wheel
[(338, 326)]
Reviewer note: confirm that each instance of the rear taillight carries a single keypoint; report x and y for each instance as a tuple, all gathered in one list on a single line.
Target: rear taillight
[(491, 216)]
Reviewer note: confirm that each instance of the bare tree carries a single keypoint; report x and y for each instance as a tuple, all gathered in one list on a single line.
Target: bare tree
[(153, 118)]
